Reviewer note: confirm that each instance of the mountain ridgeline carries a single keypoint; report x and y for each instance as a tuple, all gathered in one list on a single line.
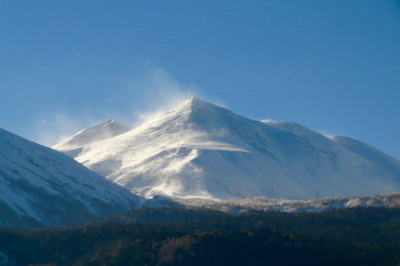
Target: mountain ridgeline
[(41, 186), (200, 150), (227, 190)]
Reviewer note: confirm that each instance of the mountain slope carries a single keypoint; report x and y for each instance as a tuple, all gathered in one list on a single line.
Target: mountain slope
[(41, 186), (107, 129), (202, 150)]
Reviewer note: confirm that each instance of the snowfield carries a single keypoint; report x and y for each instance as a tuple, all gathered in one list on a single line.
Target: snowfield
[(200, 150), (41, 186)]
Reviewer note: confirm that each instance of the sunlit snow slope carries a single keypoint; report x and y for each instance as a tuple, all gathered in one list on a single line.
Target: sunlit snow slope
[(202, 150), (107, 129), (41, 186)]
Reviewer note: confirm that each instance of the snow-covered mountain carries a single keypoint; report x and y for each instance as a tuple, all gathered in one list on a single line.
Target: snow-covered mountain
[(205, 151), (107, 129), (41, 186)]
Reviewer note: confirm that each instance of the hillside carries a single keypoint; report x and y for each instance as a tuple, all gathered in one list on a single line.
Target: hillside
[(40, 186)]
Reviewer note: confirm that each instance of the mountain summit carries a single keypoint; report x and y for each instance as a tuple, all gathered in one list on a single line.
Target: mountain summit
[(203, 150), (107, 129)]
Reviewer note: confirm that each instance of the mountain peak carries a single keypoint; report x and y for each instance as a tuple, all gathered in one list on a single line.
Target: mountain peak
[(194, 101), (193, 98), (199, 112), (104, 130), (197, 104)]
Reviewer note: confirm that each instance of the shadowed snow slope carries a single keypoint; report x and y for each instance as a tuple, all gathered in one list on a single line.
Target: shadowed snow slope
[(41, 186), (205, 151)]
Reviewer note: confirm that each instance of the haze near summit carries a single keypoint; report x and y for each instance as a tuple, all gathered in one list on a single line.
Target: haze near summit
[(332, 66)]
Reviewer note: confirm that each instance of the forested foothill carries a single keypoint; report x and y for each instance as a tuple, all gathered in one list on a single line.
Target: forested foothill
[(179, 236)]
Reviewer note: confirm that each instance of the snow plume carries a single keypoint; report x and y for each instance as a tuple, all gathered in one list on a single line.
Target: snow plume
[(268, 120), (52, 128), (145, 96), (326, 133), (160, 93), (329, 134)]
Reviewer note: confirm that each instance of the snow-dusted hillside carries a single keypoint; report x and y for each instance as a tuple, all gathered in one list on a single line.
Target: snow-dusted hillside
[(205, 151), (41, 186), (107, 129)]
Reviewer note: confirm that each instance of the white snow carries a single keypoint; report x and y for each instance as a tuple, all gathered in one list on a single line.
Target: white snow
[(107, 129), (33, 176), (205, 151)]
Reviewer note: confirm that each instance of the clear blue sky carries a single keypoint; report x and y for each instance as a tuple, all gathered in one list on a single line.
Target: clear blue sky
[(333, 66)]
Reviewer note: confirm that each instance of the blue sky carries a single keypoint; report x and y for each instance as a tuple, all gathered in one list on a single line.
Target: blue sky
[(333, 66)]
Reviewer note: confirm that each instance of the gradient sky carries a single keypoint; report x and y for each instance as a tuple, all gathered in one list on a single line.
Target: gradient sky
[(332, 66)]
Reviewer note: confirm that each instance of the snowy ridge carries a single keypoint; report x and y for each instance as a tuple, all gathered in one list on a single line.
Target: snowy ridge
[(107, 129), (200, 150), (41, 186)]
